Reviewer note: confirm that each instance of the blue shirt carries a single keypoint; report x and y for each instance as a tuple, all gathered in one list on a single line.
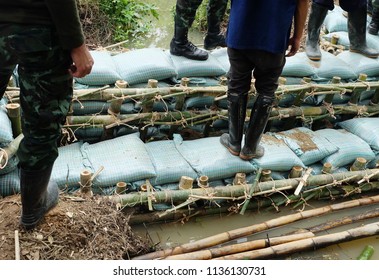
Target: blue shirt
[(260, 24)]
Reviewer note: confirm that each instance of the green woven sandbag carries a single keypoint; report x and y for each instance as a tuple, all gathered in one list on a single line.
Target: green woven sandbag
[(169, 164), (298, 66), (221, 54), (6, 134), (335, 20), (140, 65), (207, 156), (365, 128), (278, 156), (350, 147), (360, 63), (68, 166), (103, 72), (197, 68), (124, 159), (10, 183), (306, 144), (331, 66)]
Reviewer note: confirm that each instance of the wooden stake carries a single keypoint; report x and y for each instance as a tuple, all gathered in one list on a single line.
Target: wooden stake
[(303, 181)]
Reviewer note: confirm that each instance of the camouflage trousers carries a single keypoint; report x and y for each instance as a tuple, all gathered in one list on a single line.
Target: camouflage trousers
[(46, 88), (186, 12)]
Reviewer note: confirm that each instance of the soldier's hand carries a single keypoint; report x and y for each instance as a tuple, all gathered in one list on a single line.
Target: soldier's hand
[(293, 46), (82, 62)]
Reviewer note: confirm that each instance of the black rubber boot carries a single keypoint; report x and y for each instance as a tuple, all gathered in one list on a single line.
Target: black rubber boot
[(373, 27), (180, 46), (369, 7), (257, 124), (236, 113), (38, 196), (357, 21), (316, 19)]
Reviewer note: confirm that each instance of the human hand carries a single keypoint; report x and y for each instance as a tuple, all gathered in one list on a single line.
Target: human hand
[(82, 62), (293, 46)]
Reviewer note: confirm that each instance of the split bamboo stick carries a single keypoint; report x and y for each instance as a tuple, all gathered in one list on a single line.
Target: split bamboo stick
[(312, 243), (241, 232)]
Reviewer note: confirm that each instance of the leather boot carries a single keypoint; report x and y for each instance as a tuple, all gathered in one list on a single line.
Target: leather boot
[(258, 120), (373, 27), (38, 196), (236, 113), (357, 21), (180, 46), (316, 19)]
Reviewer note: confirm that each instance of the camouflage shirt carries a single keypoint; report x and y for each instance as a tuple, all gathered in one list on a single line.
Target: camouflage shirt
[(62, 14)]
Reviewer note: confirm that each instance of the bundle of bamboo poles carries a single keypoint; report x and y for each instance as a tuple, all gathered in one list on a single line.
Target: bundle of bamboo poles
[(147, 96), (213, 247)]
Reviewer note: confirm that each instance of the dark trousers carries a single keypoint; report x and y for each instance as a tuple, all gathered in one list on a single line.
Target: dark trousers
[(46, 88), (266, 67), (347, 5)]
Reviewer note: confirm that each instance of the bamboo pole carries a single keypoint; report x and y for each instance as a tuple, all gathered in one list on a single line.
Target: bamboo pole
[(312, 243), (14, 114), (9, 151), (239, 191), (241, 232), (238, 248)]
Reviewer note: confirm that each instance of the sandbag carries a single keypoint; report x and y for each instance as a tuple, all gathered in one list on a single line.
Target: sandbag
[(350, 147), (330, 66), (138, 66), (68, 166), (278, 156), (169, 164), (207, 156), (360, 63), (306, 144), (10, 183), (197, 68), (335, 20), (365, 128), (104, 71), (221, 54), (6, 133), (298, 66), (125, 159)]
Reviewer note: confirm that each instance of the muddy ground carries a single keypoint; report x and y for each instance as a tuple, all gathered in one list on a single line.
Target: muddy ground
[(77, 229)]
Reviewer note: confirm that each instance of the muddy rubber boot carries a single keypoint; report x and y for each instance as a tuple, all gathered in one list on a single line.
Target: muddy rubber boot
[(357, 21), (38, 196), (258, 120), (180, 46), (236, 114), (316, 19), (373, 27)]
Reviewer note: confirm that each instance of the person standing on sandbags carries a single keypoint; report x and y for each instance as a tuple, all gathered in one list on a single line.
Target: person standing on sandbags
[(258, 36), (45, 39), (184, 17), (357, 21)]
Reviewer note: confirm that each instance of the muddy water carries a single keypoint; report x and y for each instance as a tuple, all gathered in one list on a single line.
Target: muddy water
[(163, 28), (175, 233)]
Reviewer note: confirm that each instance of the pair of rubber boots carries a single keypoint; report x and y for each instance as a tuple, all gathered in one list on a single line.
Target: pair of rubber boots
[(258, 120), (357, 21), (180, 45), (38, 196)]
